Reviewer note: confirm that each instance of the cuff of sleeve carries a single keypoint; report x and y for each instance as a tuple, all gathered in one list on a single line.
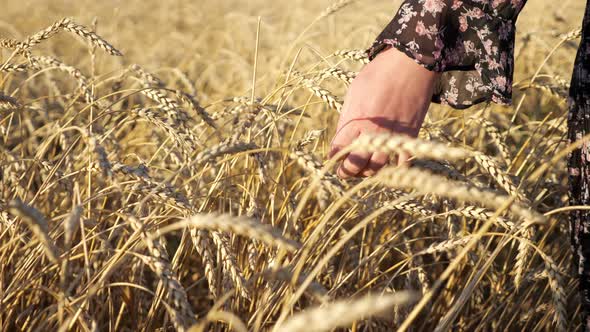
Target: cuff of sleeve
[(381, 45), (473, 50)]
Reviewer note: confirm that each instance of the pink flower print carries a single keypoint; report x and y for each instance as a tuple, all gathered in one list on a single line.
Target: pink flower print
[(392, 42), (496, 3), (585, 151), (500, 82), (451, 97), (574, 171), (452, 93), (454, 54), (477, 13), (462, 23), (421, 28), (487, 44), (516, 4), (493, 64), (413, 46), (469, 46), (456, 4), (433, 6), (439, 45), (406, 13), (503, 59), (479, 86), (504, 31), (478, 68), (401, 29), (484, 31), (499, 100)]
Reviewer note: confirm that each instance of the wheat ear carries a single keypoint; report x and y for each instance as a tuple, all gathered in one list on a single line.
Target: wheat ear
[(38, 225), (237, 225), (8, 103), (343, 313), (181, 311), (324, 94), (68, 25), (425, 183), (497, 138), (492, 168), (355, 55), (388, 143), (344, 76), (203, 246)]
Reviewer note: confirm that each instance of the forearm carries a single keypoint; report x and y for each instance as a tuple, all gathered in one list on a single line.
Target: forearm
[(471, 43)]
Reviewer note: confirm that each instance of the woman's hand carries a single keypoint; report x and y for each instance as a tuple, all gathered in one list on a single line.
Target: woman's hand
[(390, 94)]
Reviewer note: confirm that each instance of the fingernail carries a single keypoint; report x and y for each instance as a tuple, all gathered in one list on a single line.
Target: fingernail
[(341, 174)]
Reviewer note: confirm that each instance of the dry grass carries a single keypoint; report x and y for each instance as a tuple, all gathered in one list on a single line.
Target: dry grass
[(151, 191)]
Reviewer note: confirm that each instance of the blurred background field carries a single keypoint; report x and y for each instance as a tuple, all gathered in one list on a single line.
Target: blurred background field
[(107, 176)]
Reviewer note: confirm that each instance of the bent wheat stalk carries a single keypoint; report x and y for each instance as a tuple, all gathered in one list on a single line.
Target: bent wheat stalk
[(38, 226), (181, 311), (344, 312), (424, 182), (237, 225)]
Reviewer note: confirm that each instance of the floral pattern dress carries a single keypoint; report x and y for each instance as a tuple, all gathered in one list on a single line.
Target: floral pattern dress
[(471, 42), (579, 164)]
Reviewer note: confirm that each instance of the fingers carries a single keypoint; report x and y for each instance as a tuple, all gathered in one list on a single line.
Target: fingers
[(359, 163), (377, 161), (343, 137), (354, 164), (334, 149), (402, 159)]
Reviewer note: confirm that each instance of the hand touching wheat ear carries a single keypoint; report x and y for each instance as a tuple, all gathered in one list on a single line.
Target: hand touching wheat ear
[(391, 94)]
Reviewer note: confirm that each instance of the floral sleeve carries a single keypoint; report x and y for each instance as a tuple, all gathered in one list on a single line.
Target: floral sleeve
[(470, 41)]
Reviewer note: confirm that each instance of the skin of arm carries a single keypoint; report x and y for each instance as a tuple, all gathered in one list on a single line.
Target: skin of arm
[(391, 94)]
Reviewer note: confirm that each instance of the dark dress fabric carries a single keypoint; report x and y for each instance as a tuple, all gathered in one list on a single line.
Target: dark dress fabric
[(471, 42), (579, 165)]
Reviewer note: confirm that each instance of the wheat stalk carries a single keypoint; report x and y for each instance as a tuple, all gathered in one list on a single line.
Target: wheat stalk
[(344, 312), (425, 183), (497, 138), (222, 148), (71, 224), (355, 55), (150, 186), (8, 103), (49, 62), (324, 94), (344, 76), (203, 246), (480, 213), (237, 225), (68, 25), (388, 143), (490, 166), (181, 313), (38, 225)]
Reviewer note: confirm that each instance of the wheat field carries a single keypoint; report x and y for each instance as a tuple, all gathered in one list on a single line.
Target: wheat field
[(163, 167)]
